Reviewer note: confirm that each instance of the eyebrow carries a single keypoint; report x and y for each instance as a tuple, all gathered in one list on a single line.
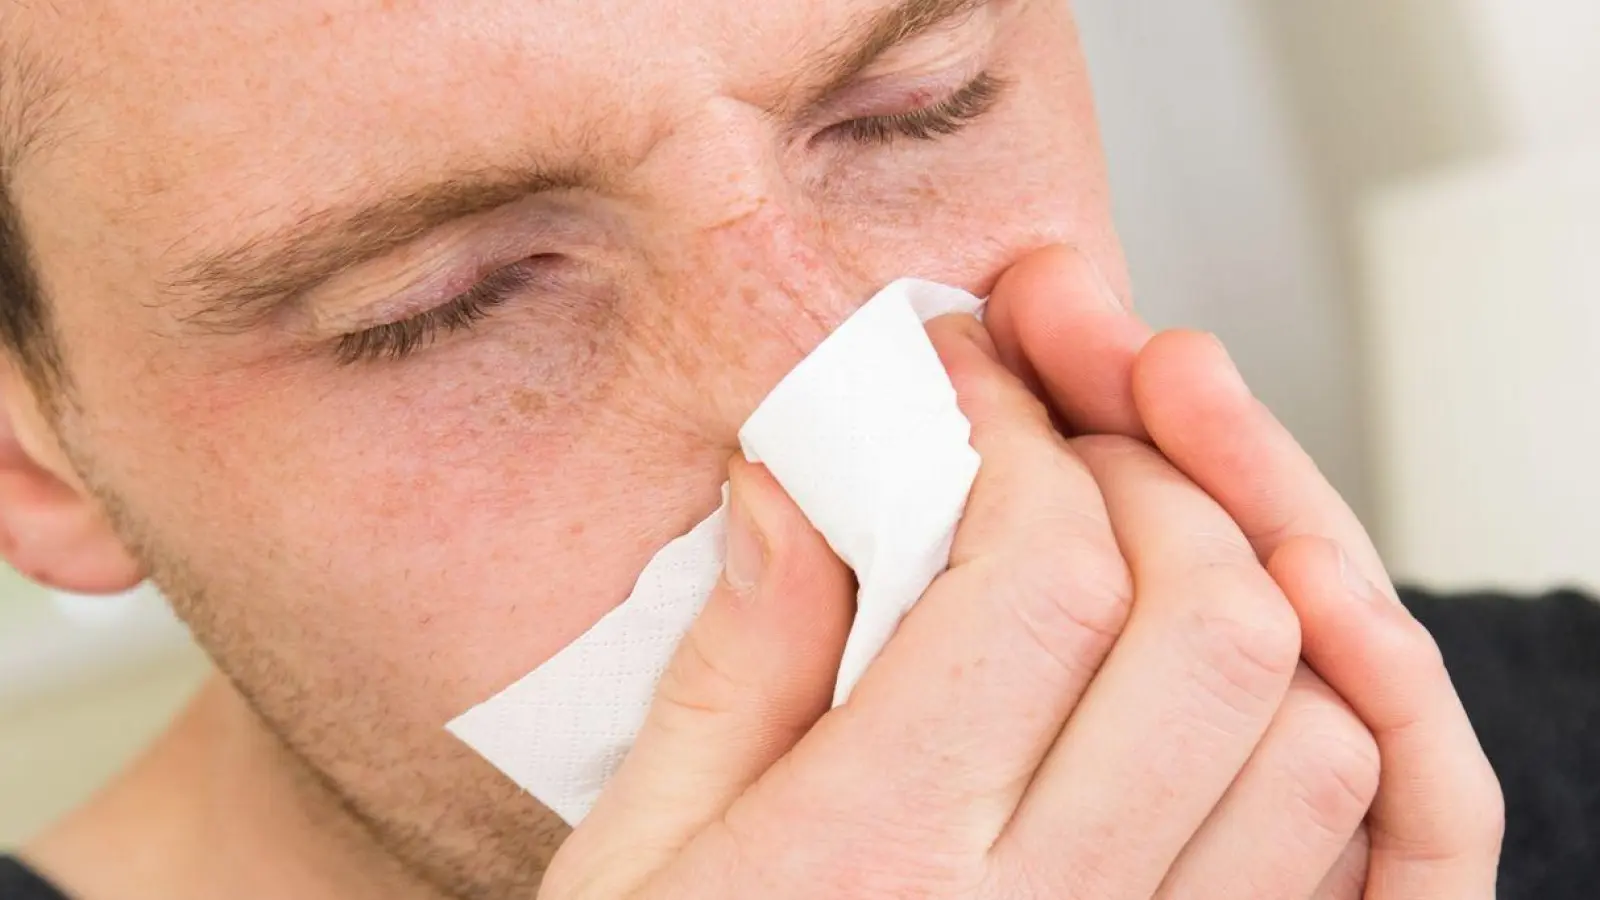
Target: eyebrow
[(239, 288), (890, 28), (31, 98)]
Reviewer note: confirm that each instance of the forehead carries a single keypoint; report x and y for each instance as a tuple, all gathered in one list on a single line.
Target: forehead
[(254, 82), (189, 118)]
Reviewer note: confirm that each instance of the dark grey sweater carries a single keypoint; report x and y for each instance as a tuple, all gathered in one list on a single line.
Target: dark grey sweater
[(1529, 674)]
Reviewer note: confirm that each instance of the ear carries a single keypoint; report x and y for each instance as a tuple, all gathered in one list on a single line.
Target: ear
[(51, 528)]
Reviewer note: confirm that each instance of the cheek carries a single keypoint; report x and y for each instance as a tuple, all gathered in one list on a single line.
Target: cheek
[(975, 211), (434, 540)]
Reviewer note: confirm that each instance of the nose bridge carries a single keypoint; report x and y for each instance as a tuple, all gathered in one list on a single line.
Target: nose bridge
[(735, 225), (747, 276), (781, 268)]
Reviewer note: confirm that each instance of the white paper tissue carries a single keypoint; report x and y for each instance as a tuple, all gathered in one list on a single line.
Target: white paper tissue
[(865, 435)]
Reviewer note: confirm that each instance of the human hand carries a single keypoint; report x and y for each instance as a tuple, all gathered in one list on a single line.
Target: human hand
[(1436, 826), (1103, 680)]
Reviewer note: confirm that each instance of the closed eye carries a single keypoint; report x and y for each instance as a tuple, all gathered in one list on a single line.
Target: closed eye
[(946, 117), (398, 340)]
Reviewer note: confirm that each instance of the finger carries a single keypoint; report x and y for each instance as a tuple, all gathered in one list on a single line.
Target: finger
[(1202, 417), (1056, 320), (751, 677), (1296, 807), (1438, 819), (1184, 698), (1022, 452), (978, 679)]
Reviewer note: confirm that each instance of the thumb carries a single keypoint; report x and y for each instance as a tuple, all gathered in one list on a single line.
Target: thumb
[(752, 676)]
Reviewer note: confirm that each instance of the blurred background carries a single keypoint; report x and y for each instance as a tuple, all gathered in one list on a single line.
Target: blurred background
[(1389, 209)]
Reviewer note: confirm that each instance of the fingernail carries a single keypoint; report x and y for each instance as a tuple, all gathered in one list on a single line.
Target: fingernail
[(1355, 582), (747, 548)]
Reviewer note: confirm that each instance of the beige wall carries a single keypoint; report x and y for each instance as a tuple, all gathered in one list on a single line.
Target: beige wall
[(65, 728), (1223, 212), (1456, 146), (58, 747), (1381, 89), (1253, 142), (1483, 322)]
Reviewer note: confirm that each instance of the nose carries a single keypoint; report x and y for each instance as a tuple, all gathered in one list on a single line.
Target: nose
[(749, 275), (773, 270)]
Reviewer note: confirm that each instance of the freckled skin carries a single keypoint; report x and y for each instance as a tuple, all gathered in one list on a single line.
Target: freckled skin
[(529, 403), (368, 550)]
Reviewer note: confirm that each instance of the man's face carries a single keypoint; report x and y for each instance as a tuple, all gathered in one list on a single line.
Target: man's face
[(402, 334)]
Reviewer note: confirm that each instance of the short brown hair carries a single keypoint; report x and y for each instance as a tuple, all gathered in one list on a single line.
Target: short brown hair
[(28, 98)]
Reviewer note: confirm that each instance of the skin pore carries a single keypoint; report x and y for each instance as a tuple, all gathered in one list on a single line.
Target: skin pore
[(400, 335)]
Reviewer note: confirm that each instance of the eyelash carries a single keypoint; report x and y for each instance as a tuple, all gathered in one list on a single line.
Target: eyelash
[(398, 340), (947, 117)]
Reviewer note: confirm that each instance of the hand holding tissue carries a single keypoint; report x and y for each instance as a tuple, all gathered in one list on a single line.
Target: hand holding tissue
[(866, 437), (1108, 682)]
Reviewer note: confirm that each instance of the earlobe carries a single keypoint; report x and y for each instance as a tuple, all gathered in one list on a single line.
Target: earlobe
[(52, 529)]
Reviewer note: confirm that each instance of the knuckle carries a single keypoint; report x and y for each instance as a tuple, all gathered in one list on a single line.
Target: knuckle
[(1471, 830), (1472, 827), (1495, 817), (1487, 816), (696, 684), (1073, 604), (1334, 765), (1247, 651), (1413, 643)]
